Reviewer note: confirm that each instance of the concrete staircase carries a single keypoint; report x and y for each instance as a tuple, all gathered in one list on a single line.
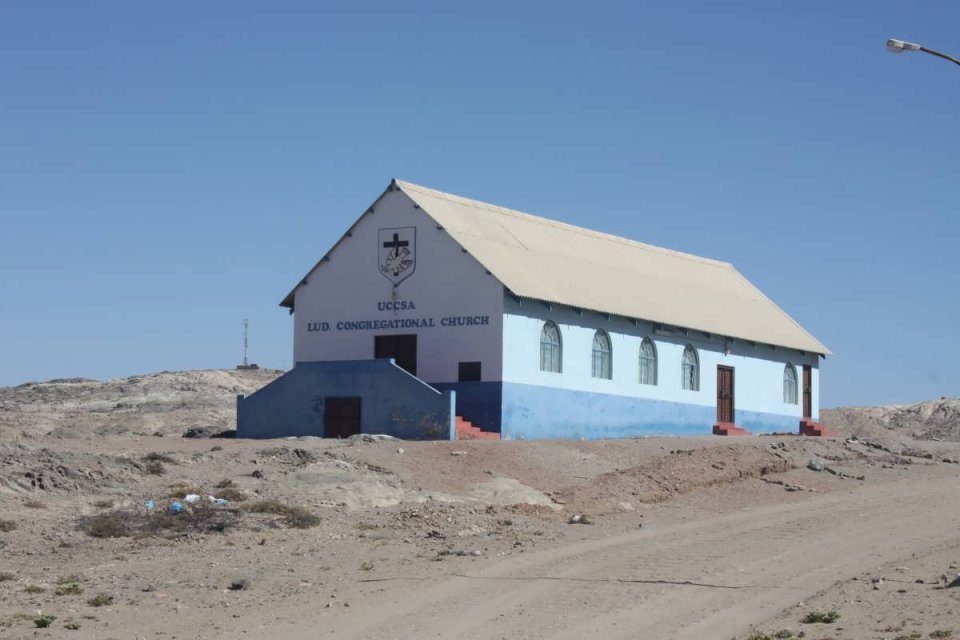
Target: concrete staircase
[(467, 431), (729, 429), (810, 428)]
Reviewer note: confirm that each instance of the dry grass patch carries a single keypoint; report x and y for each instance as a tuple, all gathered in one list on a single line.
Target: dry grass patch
[(296, 517), (15, 618), (7, 526), (158, 457), (231, 494), (100, 600), (155, 468), (823, 617), (69, 589), (122, 523)]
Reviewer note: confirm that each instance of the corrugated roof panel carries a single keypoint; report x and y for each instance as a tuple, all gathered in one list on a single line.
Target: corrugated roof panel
[(556, 262)]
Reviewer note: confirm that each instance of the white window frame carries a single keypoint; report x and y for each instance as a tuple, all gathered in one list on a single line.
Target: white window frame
[(601, 362), (551, 352), (648, 362), (690, 369), (790, 385)]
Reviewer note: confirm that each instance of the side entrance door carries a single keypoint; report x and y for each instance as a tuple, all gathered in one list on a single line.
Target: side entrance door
[(725, 395), (807, 392), (403, 349), (341, 417)]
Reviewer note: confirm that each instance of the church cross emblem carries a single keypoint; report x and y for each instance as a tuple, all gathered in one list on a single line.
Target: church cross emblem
[(396, 250)]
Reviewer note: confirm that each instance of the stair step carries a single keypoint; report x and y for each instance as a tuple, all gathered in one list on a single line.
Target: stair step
[(466, 430), (815, 429), (728, 429)]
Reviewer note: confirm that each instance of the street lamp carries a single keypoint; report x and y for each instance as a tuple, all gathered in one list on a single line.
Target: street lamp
[(899, 46)]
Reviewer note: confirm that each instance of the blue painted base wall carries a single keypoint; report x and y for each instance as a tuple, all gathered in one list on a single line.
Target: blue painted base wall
[(393, 402), (478, 402), (533, 412)]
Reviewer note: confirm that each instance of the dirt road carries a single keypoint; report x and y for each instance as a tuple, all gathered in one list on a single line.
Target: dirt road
[(713, 577)]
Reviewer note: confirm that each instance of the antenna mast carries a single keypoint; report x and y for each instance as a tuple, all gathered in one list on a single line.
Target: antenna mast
[(246, 327)]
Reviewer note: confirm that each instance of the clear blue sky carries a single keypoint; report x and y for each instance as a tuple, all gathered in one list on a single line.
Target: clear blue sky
[(169, 169)]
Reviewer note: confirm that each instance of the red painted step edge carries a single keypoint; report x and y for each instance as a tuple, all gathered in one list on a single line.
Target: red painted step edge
[(729, 429)]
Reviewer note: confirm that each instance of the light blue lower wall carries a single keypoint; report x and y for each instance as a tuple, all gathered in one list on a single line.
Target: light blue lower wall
[(534, 412), (393, 402)]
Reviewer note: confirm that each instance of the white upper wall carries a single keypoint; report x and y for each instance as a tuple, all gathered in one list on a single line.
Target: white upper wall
[(758, 370), (457, 303)]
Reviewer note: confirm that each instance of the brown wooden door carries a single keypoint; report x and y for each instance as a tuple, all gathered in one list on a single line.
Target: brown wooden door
[(725, 395), (807, 391), (403, 349), (341, 417)]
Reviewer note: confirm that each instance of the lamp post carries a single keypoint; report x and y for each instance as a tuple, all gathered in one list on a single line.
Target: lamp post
[(899, 46)]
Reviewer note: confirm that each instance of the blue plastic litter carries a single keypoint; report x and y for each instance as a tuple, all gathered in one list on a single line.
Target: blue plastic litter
[(151, 505), (221, 501), (176, 507)]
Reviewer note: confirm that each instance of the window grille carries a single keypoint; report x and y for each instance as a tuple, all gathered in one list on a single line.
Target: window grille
[(551, 351), (648, 362), (789, 384), (690, 369), (601, 356)]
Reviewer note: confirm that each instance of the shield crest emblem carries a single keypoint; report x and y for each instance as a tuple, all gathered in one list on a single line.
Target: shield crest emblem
[(397, 253)]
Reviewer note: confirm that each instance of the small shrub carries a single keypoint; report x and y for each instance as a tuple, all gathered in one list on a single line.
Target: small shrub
[(72, 626), (6, 576), (114, 524), (267, 506), (300, 518), (33, 589), (825, 617), (916, 635), (43, 621), (100, 600), (7, 525), (225, 483), (155, 468), (239, 585), (296, 517), (366, 566), (70, 577), (34, 504), (231, 494), (158, 457), (941, 633), (103, 504), (784, 634), (69, 589)]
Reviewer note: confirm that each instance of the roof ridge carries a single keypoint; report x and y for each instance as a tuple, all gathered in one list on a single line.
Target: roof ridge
[(403, 184)]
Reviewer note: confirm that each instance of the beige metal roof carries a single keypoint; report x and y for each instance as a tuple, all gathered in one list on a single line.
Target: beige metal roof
[(555, 262)]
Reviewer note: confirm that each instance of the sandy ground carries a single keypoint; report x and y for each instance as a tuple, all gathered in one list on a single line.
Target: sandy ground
[(676, 537)]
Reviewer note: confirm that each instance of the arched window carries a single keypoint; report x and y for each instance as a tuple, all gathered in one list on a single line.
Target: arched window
[(690, 369), (789, 384), (551, 352), (601, 355), (648, 362)]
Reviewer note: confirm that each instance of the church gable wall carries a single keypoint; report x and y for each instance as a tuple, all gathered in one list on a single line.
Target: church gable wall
[(422, 284)]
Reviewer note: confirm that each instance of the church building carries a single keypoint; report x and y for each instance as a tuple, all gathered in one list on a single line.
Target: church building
[(435, 316)]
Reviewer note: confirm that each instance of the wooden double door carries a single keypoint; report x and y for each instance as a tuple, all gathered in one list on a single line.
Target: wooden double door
[(725, 395)]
